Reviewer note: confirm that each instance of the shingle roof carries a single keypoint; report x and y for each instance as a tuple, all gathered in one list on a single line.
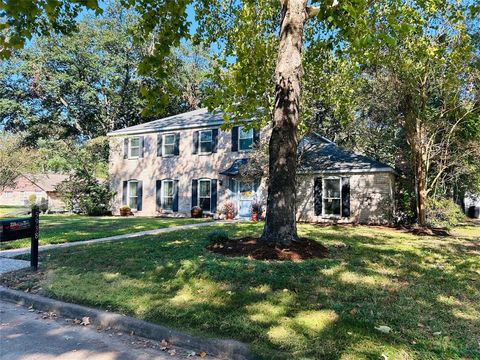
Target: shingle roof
[(192, 119), (234, 169), (47, 182), (323, 156)]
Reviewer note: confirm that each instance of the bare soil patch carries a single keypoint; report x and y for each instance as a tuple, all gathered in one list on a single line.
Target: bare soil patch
[(253, 248)]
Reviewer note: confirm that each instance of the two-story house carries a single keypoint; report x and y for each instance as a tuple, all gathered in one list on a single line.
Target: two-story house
[(168, 166)]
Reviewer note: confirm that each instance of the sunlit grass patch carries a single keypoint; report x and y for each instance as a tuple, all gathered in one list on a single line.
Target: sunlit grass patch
[(425, 289)]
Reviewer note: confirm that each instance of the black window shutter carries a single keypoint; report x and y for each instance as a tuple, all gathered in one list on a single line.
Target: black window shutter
[(158, 194), (176, 149), (213, 196), (140, 195), (159, 144), (345, 197), (317, 190), (235, 138), (256, 137), (195, 142), (214, 140), (125, 193), (125, 148), (175, 195), (142, 144), (194, 192)]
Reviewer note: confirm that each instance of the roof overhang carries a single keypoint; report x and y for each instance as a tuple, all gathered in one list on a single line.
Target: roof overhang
[(234, 169), (348, 171)]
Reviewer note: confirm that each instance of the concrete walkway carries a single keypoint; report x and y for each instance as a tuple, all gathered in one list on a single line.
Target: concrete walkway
[(28, 334), (15, 252)]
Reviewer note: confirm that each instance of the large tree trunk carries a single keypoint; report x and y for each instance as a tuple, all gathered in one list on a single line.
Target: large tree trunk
[(417, 139), (280, 225)]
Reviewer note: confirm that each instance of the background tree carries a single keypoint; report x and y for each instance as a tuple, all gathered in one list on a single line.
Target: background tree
[(85, 84), (14, 159)]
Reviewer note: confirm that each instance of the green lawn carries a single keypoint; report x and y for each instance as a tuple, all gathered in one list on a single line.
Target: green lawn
[(9, 211), (427, 290), (56, 229)]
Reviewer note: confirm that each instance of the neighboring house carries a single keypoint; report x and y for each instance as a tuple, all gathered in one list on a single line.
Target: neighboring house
[(472, 205), (43, 186), (167, 166)]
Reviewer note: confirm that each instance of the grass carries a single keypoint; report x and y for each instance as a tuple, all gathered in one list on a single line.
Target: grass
[(425, 289), (10, 210), (56, 229)]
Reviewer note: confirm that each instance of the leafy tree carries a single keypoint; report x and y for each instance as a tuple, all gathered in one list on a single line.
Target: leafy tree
[(87, 83), (259, 63), (15, 159)]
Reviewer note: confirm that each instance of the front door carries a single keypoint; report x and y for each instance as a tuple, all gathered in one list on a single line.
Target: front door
[(246, 192)]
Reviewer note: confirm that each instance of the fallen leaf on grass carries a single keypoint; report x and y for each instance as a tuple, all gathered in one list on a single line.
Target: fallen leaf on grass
[(383, 329), (354, 311), (172, 352), (85, 321), (202, 354)]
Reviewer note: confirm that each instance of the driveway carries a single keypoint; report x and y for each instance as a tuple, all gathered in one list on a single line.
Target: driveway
[(26, 334)]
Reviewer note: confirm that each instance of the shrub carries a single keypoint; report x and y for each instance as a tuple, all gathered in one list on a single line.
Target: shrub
[(228, 207), (218, 235), (83, 192), (32, 199), (443, 213)]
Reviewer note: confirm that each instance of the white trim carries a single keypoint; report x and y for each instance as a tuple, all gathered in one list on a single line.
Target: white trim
[(130, 147), (164, 143), (348, 171), (209, 190), (240, 129), (324, 197), (128, 194), (162, 195), (200, 152)]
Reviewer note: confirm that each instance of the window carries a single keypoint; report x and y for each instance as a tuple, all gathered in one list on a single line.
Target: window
[(204, 194), (245, 138), (134, 147), (167, 194), (168, 144), (332, 197), (8, 194), (133, 195), (206, 143)]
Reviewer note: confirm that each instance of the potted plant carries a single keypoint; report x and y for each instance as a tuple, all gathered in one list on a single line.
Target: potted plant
[(256, 209), (196, 212), (229, 210), (125, 210)]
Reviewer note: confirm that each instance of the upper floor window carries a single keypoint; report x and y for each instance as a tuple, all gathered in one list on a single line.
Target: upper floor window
[(169, 144), (245, 139), (167, 194), (204, 194), (206, 141), (134, 147), (132, 195), (332, 196)]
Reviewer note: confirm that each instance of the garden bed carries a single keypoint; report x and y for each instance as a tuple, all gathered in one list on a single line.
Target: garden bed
[(253, 248)]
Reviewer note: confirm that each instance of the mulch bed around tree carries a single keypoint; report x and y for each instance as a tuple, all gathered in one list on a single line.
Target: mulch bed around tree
[(253, 248)]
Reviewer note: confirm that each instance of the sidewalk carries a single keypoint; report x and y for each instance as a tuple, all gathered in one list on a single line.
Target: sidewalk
[(16, 252)]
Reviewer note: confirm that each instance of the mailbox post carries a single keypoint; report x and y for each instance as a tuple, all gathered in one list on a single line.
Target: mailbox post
[(21, 228)]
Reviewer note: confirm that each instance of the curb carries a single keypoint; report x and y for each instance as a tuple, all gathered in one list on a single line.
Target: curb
[(225, 349)]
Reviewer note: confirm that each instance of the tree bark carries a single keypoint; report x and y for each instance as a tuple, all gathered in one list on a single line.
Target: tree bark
[(280, 225)]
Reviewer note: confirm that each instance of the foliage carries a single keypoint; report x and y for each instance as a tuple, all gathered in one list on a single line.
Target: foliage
[(314, 309), (228, 207), (15, 159), (218, 236), (84, 85), (32, 200), (442, 212), (85, 194)]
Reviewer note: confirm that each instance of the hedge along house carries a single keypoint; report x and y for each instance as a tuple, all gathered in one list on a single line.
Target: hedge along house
[(167, 166)]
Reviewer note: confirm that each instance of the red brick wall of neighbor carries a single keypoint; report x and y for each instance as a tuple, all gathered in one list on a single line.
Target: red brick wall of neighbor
[(19, 194)]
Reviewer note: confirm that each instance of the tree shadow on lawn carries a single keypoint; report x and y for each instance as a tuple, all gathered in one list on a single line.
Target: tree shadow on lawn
[(322, 308)]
